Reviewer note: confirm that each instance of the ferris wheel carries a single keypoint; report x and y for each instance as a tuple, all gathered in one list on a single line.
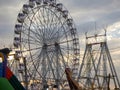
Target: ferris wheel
[(46, 42)]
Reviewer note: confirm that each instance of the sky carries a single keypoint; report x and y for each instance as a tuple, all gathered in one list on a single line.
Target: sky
[(87, 14)]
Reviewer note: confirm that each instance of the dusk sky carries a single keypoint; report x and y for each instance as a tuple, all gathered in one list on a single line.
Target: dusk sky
[(105, 13)]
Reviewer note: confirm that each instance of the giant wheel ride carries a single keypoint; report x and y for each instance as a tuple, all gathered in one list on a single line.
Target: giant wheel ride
[(46, 42)]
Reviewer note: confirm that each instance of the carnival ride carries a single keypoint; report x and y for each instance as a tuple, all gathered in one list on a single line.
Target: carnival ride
[(46, 43), (97, 71)]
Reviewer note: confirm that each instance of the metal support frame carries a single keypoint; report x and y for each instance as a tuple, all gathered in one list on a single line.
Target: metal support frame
[(99, 71)]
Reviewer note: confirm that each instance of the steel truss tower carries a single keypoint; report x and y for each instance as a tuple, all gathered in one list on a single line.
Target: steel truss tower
[(97, 71)]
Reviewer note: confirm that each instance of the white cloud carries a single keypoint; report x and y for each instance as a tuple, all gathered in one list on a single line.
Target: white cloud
[(114, 31), (8, 15)]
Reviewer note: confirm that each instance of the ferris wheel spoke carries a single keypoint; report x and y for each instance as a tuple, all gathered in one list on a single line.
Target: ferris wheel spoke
[(48, 20), (29, 28), (37, 30), (38, 17), (65, 35), (52, 69), (36, 64), (51, 55), (36, 38), (36, 54), (33, 59), (48, 16), (65, 49), (32, 37), (31, 40), (52, 60), (58, 30), (31, 49), (43, 15), (36, 68), (43, 20), (55, 25), (38, 33), (49, 64), (42, 24), (65, 55), (40, 30), (63, 60), (54, 28), (51, 23), (59, 56)]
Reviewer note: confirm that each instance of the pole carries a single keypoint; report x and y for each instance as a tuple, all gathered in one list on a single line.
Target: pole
[(26, 78)]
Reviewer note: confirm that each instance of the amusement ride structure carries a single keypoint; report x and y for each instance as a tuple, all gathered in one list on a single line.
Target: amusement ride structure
[(97, 71), (46, 43)]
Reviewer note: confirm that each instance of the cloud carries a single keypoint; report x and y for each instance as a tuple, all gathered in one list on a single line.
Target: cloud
[(89, 5), (114, 31), (87, 12), (84, 12), (8, 14), (9, 11)]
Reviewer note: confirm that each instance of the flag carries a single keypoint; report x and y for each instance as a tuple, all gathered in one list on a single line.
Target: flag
[(13, 80), (5, 72), (5, 85)]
